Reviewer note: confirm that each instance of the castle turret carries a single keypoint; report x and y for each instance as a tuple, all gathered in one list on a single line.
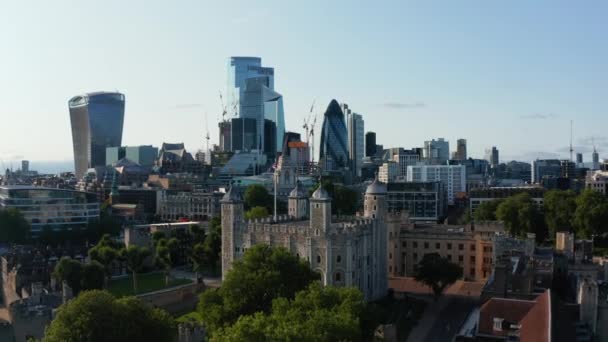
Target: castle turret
[(588, 301), (232, 220), (375, 200), (320, 211), (298, 203)]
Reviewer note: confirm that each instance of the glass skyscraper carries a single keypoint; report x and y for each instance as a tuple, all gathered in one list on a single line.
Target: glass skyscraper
[(251, 95), (97, 121), (333, 154)]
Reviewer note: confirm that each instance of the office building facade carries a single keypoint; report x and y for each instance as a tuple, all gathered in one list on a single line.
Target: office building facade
[(424, 202), (144, 155), (436, 152), (388, 172), (545, 168), (356, 145), (333, 154), (97, 121), (492, 156), (57, 209), (453, 177), (251, 93), (461, 149), (370, 144)]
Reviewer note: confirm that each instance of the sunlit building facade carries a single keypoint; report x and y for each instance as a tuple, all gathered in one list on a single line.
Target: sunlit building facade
[(97, 121)]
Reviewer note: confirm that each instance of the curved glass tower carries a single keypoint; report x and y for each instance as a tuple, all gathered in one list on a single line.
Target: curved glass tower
[(333, 154), (97, 121)]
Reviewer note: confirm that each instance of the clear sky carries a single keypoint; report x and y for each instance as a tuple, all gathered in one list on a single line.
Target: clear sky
[(506, 73)]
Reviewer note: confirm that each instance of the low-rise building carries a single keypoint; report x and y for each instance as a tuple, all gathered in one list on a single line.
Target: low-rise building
[(471, 247), (191, 205), (480, 195), (424, 201), (453, 177), (597, 181)]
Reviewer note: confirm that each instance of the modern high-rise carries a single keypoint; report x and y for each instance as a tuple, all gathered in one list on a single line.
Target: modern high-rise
[(595, 158), (356, 145), (492, 156), (225, 136), (453, 177), (370, 144), (97, 121), (251, 95), (436, 152), (333, 154), (461, 149)]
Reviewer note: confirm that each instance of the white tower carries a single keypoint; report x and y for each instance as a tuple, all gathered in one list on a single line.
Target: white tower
[(320, 211)]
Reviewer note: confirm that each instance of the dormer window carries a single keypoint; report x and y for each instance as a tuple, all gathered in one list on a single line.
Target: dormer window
[(498, 324)]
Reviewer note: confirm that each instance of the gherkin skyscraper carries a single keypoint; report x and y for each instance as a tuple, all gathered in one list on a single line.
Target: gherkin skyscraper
[(333, 154)]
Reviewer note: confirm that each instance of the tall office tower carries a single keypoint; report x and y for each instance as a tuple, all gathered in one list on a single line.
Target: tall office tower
[(333, 154), (251, 94), (579, 159), (453, 177), (568, 169), (370, 144), (25, 166), (97, 120), (461, 149), (436, 152), (225, 137), (492, 156), (355, 128), (595, 157)]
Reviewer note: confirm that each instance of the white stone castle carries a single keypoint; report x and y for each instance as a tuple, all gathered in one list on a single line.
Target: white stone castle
[(350, 252)]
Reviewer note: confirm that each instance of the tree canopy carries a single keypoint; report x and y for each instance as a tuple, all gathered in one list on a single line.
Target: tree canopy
[(14, 228), (486, 211), (437, 273), (256, 213), (559, 208), (79, 276), (344, 200), (316, 314), (591, 214), (96, 316), (264, 273), (520, 215), (257, 196)]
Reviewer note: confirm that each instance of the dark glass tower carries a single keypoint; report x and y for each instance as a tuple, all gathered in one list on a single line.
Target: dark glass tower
[(333, 154), (370, 144), (97, 121)]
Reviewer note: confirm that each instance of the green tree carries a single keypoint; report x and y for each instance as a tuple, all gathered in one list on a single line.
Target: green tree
[(316, 314), (257, 196), (437, 273), (591, 214), (93, 275), (256, 213), (263, 274), (96, 316), (559, 208), (164, 250), (106, 252), (520, 215), (344, 200), (14, 228), (213, 241), (135, 257), (70, 271), (96, 229), (486, 211), (199, 258)]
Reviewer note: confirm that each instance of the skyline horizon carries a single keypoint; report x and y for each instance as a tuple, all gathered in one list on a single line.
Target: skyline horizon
[(472, 74)]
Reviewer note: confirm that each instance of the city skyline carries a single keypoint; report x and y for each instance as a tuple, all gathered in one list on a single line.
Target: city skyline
[(453, 80)]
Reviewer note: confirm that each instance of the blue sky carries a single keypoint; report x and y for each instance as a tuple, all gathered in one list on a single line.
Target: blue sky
[(511, 74)]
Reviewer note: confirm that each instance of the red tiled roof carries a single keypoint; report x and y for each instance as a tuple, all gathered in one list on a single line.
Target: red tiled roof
[(533, 316)]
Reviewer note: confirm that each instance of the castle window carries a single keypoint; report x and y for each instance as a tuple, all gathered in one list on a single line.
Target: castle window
[(404, 244), (390, 255), (374, 198), (318, 259), (338, 276), (374, 207), (338, 259), (437, 245), (449, 246)]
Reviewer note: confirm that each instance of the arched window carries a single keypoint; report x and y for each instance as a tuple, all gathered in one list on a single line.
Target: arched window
[(318, 259), (339, 259), (338, 276)]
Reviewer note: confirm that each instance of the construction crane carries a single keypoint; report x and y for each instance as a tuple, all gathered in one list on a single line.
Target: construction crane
[(312, 135), (571, 149), (306, 125), (224, 111), (207, 134)]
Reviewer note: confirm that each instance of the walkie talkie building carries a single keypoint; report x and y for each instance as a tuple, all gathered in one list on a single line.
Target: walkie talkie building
[(97, 120)]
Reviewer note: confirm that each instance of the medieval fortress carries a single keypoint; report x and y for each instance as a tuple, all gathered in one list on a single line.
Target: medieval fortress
[(345, 251)]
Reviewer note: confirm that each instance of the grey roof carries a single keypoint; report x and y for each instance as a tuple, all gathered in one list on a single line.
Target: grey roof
[(320, 194), (232, 195), (298, 192), (376, 187)]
